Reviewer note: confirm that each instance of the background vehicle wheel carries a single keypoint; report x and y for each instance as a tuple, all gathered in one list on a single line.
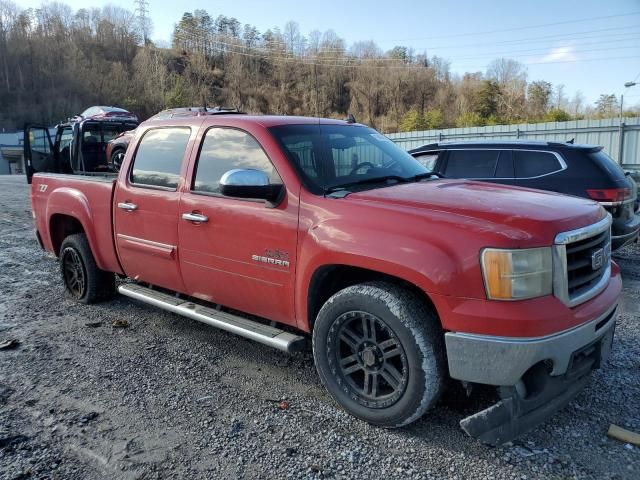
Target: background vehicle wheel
[(117, 157), (379, 352), (82, 278)]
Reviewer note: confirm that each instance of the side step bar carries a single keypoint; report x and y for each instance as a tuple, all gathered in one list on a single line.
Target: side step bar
[(266, 334)]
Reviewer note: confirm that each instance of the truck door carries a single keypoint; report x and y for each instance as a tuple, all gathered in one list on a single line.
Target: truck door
[(38, 150), (237, 252), (146, 207)]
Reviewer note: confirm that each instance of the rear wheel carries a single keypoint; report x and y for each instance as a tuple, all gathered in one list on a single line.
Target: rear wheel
[(82, 278), (378, 350)]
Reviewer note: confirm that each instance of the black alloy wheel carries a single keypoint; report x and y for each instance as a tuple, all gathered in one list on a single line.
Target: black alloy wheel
[(74, 272), (369, 359)]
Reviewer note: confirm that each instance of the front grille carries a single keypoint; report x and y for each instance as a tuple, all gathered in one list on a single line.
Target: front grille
[(581, 274), (582, 264)]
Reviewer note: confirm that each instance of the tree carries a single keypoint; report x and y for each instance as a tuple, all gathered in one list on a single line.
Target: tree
[(538, 98), (469, 119), (557, 115), (412, 121), (606, 106), (485, 101)]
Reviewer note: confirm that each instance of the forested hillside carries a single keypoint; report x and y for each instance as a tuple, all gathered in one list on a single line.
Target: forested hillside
[(54, 62)]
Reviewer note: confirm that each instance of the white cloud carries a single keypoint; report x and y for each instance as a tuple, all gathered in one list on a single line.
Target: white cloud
[(560, 54)]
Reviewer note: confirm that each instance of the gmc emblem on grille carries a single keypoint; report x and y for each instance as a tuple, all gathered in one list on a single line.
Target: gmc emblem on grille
[(597, 259)]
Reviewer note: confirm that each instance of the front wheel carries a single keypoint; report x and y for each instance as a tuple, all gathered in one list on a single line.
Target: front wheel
[(379, 352), (82, 278)]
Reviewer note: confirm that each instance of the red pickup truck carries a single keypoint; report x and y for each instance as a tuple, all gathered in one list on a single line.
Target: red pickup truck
[(281, 229)]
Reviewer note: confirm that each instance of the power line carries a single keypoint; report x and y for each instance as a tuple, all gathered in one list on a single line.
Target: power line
[(358, 63), (525, 27), (237, 48), (234, 42)]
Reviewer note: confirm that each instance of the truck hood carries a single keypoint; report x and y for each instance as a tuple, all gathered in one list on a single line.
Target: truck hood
[(512, 211)]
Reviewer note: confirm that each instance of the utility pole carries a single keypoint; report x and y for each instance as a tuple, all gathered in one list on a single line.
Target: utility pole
[(142, 13), (621, 130)]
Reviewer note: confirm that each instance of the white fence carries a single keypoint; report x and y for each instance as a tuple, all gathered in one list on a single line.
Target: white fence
[(606, 132)]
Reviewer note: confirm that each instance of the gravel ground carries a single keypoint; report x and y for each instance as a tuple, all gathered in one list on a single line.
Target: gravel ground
[(168, 397)]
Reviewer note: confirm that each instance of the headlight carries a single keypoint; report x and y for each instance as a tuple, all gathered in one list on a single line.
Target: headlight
[(517, 274)]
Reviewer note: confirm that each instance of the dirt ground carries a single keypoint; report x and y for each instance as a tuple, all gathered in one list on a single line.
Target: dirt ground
[(168, 397)]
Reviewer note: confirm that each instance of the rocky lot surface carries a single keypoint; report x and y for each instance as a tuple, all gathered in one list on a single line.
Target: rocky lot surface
[(167, 397)]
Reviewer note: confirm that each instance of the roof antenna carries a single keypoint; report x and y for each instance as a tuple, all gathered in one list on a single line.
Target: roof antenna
[(571, 141), (350, 118)]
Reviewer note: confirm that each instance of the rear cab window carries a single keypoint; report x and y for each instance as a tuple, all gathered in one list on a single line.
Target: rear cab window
[(159, 156)]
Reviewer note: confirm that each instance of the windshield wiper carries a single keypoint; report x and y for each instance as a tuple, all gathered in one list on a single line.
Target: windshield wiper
[(366, 181), (422, 176)]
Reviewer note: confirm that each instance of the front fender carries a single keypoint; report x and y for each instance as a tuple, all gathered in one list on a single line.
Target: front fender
[(432, 266)]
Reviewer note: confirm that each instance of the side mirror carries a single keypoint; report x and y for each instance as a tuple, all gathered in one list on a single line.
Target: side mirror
[(249, 183)]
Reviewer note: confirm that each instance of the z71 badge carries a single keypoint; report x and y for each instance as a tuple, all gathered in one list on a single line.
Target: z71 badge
[(273, 257)]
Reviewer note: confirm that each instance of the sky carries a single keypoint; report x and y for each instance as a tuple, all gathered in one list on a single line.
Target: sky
[(591, 46)]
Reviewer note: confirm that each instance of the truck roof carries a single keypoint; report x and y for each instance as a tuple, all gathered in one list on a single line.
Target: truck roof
[(264, 120)]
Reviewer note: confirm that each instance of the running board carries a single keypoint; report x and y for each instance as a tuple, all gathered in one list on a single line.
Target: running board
[(265, 334)]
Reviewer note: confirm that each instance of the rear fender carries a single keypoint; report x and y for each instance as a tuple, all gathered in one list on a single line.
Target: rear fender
[(73, 203)]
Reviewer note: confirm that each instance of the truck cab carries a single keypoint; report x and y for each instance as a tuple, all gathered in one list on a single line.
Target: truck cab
[(77, 146)]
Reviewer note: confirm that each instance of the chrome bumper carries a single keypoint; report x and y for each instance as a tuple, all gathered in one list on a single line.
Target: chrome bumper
[(502, 361)]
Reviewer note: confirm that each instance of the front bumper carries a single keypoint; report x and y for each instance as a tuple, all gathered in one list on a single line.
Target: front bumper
[(538, 396), (535, 376), (502, 361)]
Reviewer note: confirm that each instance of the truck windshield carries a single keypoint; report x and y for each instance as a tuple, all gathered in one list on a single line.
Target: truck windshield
[(329, 157)]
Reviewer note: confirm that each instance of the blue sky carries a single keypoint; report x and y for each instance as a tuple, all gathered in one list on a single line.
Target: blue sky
[(594, 45)]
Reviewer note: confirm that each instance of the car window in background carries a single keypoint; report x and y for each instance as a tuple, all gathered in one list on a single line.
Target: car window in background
[(428, 160), (225, 149), (608, 163), (159, 157), (529, 164), (471, 163), (91, 135), (505, 165)]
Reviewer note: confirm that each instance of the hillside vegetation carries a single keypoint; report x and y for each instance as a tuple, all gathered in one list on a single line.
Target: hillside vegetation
[(55, 62)]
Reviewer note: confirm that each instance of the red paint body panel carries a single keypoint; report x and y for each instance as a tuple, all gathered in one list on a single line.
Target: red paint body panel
[(86, 199), (429, 233)]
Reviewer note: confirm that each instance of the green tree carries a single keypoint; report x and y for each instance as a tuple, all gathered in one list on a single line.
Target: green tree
[(485, 100), (433, 119), (469, 119), (538, 98), (412, 121), (557, 115)]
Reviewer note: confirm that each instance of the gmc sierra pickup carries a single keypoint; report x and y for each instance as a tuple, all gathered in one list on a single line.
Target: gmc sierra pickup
[(281, 229)]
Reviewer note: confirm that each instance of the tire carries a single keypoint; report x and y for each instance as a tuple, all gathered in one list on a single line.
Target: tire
[(82, 278), (408, 339), (117, 157)]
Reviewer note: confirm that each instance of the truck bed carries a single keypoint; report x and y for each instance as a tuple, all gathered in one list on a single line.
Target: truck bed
[(89, 198)]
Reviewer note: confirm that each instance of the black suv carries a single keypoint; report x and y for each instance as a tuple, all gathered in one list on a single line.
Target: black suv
[(581, 170)]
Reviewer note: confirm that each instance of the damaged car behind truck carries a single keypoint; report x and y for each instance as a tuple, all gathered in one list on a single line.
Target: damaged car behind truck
[(281, 229)]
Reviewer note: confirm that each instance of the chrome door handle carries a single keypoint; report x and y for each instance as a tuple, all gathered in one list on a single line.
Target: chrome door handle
[(195, 217), (129, 207)]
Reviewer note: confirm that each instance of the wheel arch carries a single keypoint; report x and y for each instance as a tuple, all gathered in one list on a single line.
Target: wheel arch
[(327, 280), (60, 227)]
